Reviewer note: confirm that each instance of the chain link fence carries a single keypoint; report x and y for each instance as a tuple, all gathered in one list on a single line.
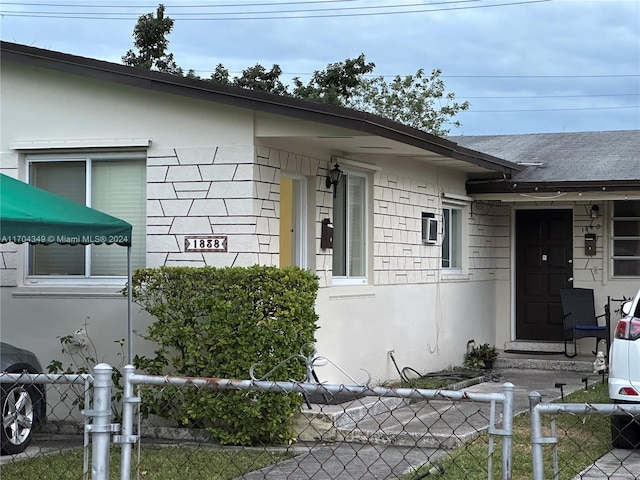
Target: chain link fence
[(155, 428), (43, 428), (566, 436), (340, 432)]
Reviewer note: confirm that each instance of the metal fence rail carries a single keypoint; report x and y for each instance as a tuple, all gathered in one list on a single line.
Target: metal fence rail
[(550, 434), (341, 432), (355, 431), (372, 432)]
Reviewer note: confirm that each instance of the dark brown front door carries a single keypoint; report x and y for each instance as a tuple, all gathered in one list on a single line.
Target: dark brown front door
[(544, 265)]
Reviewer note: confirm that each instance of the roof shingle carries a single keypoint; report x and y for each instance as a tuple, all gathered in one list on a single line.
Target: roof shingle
[(565, 157)]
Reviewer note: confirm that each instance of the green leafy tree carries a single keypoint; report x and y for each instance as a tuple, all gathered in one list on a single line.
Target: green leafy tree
[(336, 84), (150, 34), (221, 75), (259, 78), (418, 100)]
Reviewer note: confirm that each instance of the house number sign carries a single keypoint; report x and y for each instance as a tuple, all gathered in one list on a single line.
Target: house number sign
[(205, 243)]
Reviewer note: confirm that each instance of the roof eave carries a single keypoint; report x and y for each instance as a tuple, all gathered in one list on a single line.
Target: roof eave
[(244, 98), (501, 187)]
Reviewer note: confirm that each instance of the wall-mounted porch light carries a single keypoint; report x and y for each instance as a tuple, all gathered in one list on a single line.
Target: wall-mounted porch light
[(333, 178), (595, 211)]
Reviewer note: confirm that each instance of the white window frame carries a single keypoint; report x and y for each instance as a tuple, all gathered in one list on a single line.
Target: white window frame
[(460, 244), (360, 279), (85, 279), (614, 238)]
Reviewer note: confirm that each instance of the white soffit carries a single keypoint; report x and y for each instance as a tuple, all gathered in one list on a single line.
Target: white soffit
[(80, 143)]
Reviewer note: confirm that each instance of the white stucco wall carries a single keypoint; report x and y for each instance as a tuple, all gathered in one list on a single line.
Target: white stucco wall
[(207, 175), (42, 110), (426, 325)]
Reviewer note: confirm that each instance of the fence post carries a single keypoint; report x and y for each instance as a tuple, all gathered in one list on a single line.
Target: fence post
[(536, 436), (507, 427), (100, 428), (127, 437)]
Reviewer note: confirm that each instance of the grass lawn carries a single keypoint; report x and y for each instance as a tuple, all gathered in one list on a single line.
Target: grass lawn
[(157, 463), (581, 441)]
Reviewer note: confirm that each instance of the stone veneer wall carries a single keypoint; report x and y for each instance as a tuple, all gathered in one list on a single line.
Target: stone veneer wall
[(489, 241), (400, 257), (232, 191), (9, 251), (8, 265), (589, 269)]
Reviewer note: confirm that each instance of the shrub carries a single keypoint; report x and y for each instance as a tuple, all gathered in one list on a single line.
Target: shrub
[(218, 322), (481, 356)]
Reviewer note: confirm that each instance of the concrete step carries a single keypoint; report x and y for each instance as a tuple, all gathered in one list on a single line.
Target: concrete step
[(543, 359), (534, 347)]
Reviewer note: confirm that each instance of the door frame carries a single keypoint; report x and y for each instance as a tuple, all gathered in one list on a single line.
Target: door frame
[(512, 334), (299, 217)]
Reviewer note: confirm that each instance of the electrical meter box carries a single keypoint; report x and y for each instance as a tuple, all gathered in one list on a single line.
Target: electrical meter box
[(590, 244), (326, 234)]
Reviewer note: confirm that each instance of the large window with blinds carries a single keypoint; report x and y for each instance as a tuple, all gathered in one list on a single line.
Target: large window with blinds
[(350, 229), (112, 183), (626, 238)]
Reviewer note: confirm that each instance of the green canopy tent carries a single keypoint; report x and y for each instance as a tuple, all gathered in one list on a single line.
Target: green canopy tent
[(31, 215)]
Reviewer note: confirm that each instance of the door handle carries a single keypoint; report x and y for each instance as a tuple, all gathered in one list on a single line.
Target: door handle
[(570, 279)]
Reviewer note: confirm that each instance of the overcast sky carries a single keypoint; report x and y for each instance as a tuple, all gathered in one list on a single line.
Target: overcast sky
[(526, 66)]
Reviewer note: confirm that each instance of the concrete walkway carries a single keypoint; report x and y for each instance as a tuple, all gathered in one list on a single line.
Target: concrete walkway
[(394, 452), (615, 465)]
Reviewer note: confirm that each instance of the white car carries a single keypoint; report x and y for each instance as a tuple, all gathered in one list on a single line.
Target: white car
[(624, 375)]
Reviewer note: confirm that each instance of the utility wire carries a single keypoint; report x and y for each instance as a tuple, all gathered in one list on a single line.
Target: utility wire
[(128, 5), (203, 16), (267, 12), (373, 75), (544, 76), (179, 6), (551, 96), (549, 109)]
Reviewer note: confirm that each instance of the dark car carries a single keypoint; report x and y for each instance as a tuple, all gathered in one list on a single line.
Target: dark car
[(23, 405)]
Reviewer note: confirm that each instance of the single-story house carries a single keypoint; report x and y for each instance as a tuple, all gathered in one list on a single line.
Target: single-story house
[(418, 247), (575, 221)]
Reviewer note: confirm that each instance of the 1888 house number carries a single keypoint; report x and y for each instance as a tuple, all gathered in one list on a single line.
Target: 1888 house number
[(205, 243)]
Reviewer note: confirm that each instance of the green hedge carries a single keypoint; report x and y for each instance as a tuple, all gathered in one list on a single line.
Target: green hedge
[(218, 322)]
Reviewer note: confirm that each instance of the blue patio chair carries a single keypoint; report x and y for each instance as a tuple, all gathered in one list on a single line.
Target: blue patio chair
[(580, 320)]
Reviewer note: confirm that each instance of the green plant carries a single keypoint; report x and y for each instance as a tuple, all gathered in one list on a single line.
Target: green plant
[(480, 356), (82, 357), (219, 322)]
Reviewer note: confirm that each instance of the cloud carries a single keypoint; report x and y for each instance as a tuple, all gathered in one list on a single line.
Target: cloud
[(561, 53)]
